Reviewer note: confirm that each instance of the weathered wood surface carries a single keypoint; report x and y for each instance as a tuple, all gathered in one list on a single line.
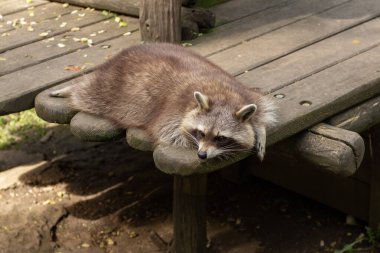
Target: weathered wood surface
[(160, 21), (92, 128), (258, 24), (276, 44), (19, 37), (12, 6), (313, 59), (326, 147), (44, 50), (189, 214), (326, 93), (129, 7), (360, 117), (34, 14)]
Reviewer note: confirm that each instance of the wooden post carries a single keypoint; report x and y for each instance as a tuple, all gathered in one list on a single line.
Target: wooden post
[(189, 214), (374, 204), (160, 20)]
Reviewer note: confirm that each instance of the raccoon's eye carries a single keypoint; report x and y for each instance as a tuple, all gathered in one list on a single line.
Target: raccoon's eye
[(220, 138), (200, 134)]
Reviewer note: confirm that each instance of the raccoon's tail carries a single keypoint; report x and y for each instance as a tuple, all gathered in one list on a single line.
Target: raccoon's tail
[(62, 93)]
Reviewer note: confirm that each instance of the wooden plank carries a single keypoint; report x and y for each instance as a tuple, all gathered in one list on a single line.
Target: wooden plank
[(296, 36), (37, 14), (252, 26), (20, 37), (313, 59), (345, 194), (243, 8), (40, 51), (18, 89), (326, 93), (129, 7), (360, 117), (12, 6)]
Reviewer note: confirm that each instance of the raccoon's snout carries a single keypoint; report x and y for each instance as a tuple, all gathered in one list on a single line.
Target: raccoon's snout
[(202, 155)]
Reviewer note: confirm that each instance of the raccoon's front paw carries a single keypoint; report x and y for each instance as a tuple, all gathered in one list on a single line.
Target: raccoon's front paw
[(261, 138), (260, 151)]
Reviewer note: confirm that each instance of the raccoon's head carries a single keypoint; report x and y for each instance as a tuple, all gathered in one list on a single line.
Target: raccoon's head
[(218, 128)]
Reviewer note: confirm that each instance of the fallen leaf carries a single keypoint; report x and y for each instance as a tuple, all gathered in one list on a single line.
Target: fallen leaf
[(29, 1), (85, 245), (74, 11), (82, 14), (73, 68), (117, 19), (127, 34), (65, 5), (63, 24), (355, 41), (123, 24), (3, 59), (75, 29), (101, 31), (61, 45), (30, 29), (44, 34), (110, 241)]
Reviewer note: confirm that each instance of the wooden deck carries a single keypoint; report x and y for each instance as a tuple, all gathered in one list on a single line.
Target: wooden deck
[(320, 56), (315, 57)]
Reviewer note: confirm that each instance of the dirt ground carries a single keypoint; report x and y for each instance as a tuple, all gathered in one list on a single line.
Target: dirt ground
[(64, 195)]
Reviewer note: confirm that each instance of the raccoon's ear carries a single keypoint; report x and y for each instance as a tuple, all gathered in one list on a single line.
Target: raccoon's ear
[(246, 112), (202, 100)]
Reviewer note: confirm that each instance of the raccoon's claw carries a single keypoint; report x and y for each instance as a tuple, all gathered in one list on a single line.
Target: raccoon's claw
[(260, 142)]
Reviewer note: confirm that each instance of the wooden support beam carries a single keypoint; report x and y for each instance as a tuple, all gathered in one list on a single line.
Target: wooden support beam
[(189, 214), (160, 21)]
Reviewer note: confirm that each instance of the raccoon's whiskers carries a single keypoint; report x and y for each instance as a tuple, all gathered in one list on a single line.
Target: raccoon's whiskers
[(191, 137)]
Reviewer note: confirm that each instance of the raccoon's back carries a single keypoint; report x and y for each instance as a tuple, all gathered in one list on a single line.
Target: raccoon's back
[(143, 82)]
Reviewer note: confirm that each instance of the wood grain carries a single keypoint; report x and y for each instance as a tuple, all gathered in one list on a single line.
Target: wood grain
[(43, 50), (295, 36), (160, 21), (50, 28), (314, 58), (258, 24)]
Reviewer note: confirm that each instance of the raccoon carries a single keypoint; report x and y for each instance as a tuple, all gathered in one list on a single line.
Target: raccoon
[(179, 98)]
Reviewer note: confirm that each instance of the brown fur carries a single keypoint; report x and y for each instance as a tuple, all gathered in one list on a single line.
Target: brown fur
[(151, 86)]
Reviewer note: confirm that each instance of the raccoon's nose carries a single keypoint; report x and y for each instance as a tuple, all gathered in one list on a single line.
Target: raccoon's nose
[(202, 154)]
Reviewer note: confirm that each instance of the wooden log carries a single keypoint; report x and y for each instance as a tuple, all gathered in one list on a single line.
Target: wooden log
[(189, 214), (160, 21), (326, 147)]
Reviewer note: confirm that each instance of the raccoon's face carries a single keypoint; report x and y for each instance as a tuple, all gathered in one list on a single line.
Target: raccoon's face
[(218, 130)]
